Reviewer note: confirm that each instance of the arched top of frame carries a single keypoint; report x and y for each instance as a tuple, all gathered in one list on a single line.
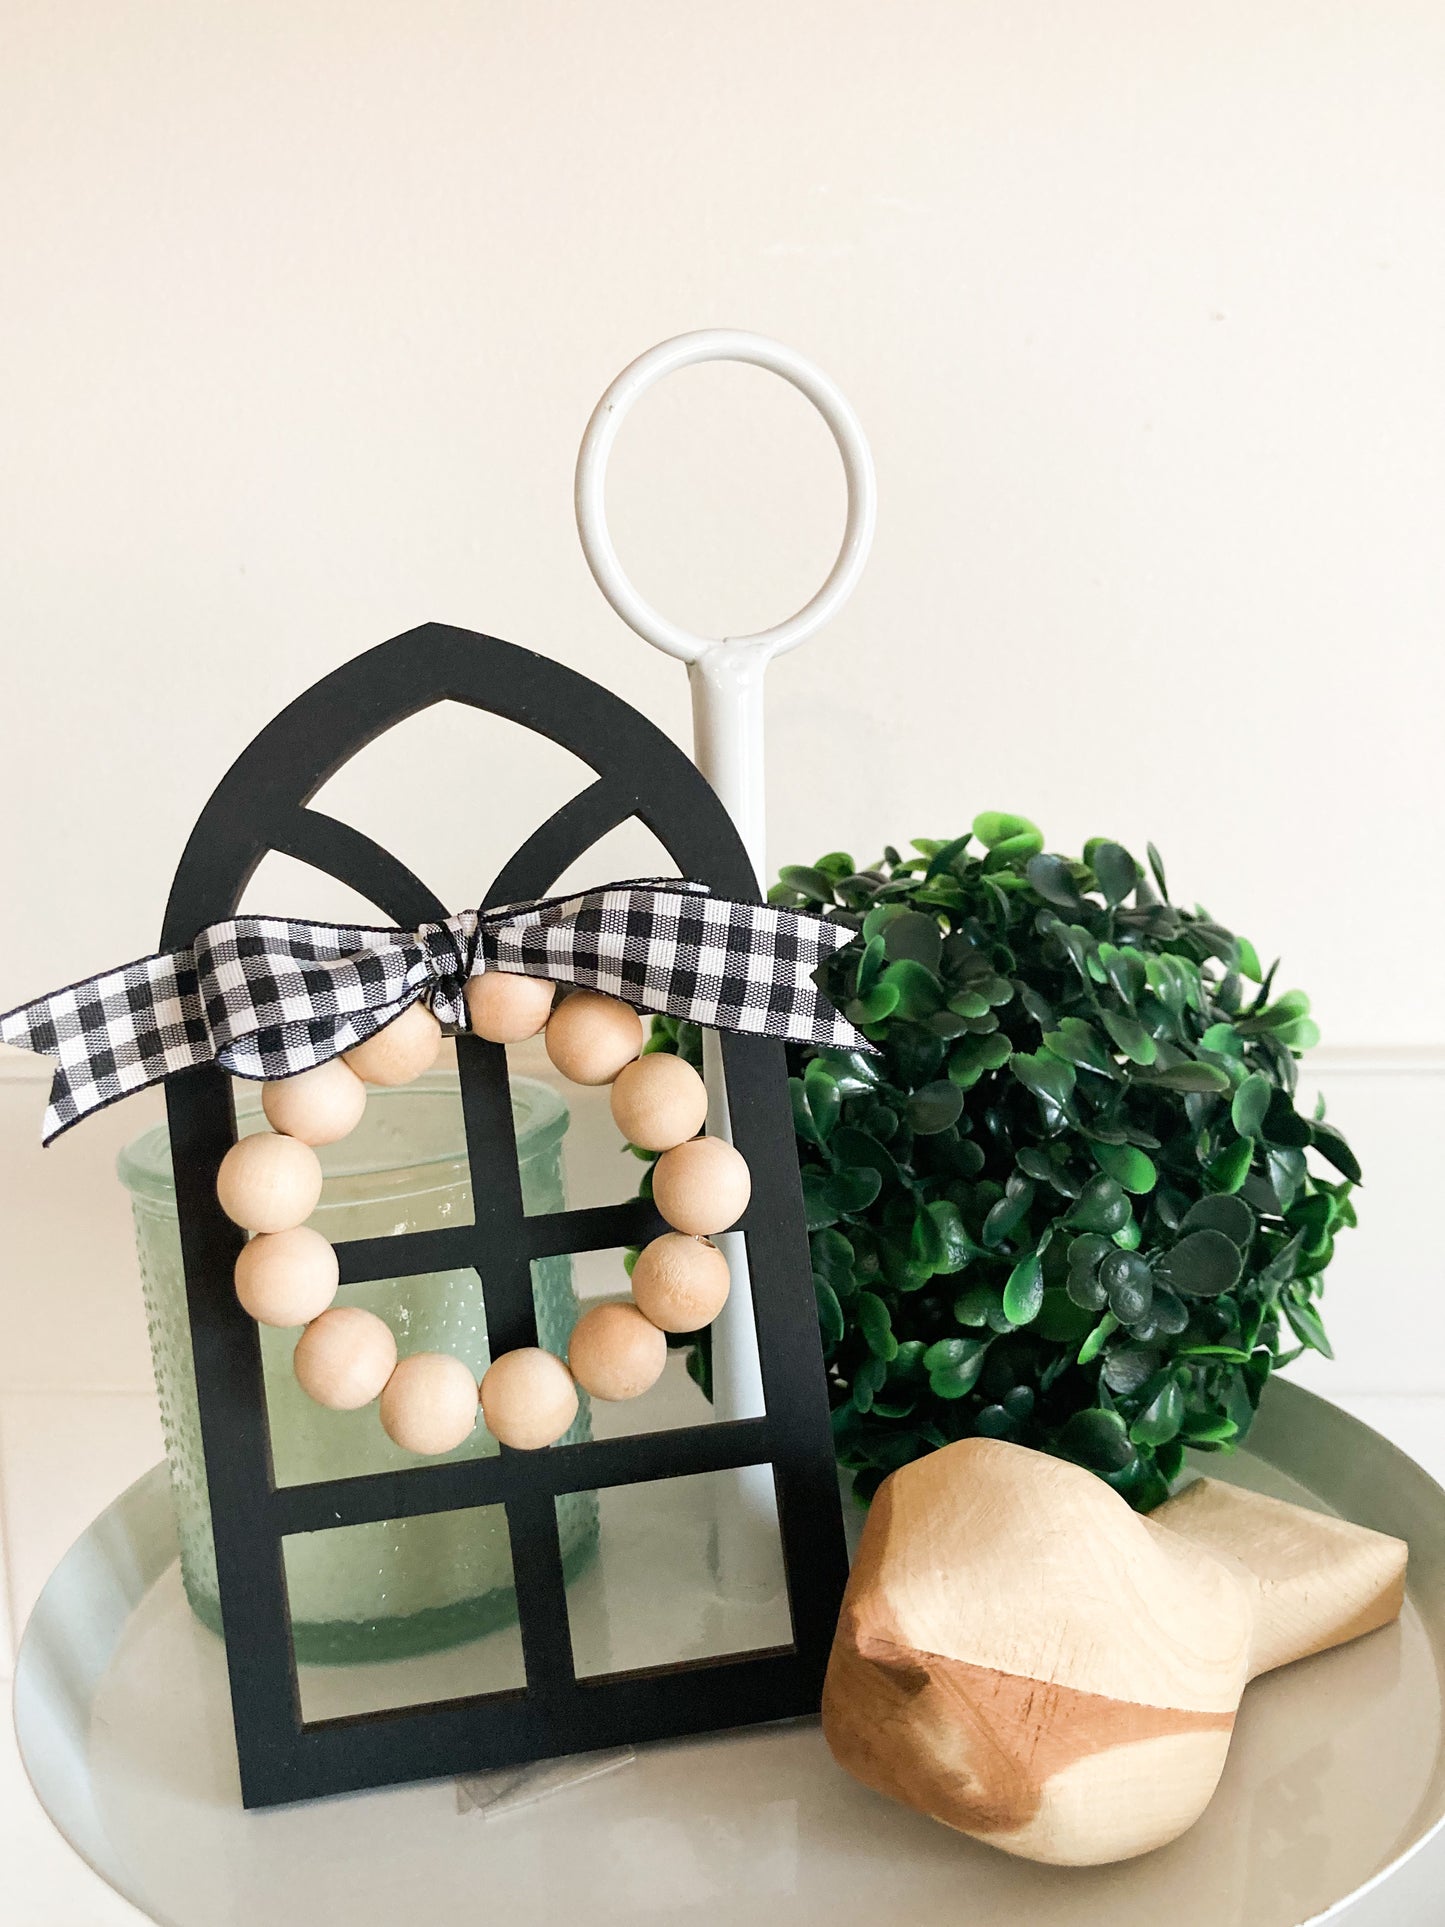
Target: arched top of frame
[(261, 803)]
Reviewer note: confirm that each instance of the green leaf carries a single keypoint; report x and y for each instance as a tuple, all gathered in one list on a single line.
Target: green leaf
[(803, 1124), (860, 1150), (1284, 1127), (1100, 1206), (1230, 1215), (825, 1100), (935, 1107), (1223, 1039), (953, 1365), (1299, 1035), (1080, 1043), (973, 1306), (830, 1313), (1128, 1368), (1085, 1287), (1161, 1418), (955, 1247), (920, 992), (1330, 1145), (1130, 1036), (1008, 1213), (1023, 1295), (1125, 971), (915, 938), (1098, 1338), (870, 967), (812, 884), (1251, 1101), (972, 1056), (878, 1005), (1010, 837), (1202, 1265), (852, 1071), (1307, 1325), (1130, 1285), (1061, 1321), (830, 1195), (1054, 881), (868, 1382), (876, 1326), (945, 858), (1205, 1079), (1156, 864), (1116, 870), (1229, 1168), (1047, 1076), (1208, 1431), (1132, 1169), (1097, 1438)]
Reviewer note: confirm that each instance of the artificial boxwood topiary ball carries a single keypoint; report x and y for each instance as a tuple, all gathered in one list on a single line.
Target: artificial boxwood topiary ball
[(1073, 1201)]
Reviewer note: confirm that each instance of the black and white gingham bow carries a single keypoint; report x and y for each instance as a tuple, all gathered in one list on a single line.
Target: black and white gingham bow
[(267, 997)]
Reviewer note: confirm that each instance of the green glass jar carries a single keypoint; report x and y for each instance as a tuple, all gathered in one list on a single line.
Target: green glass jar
[(396, 1587)]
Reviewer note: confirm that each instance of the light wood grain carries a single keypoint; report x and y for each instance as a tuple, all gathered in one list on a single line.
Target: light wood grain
[(1026, 1659)]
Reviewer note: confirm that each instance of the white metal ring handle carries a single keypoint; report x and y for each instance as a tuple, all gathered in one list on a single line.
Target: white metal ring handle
[(724, 344)]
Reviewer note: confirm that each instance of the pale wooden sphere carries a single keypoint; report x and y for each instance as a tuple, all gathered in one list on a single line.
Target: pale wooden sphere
[(287, 1277), (506, 1009), (528, 1398), (615, 1352), (590, 1037), (318, 1106), (344, 1358), (680, 1283), (430, 1403), (409, 1045), (269, 1183), (702, 1186), (659, 1101)]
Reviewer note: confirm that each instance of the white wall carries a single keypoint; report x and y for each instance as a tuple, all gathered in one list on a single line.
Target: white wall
[(306, 305)]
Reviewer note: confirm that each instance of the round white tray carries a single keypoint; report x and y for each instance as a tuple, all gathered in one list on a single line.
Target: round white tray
[(1330, 1806)]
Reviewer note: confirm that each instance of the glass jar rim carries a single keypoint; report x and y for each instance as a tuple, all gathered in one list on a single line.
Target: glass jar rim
[(539, 1113)]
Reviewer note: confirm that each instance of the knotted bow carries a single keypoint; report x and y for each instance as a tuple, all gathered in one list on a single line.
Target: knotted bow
[(268, 997)]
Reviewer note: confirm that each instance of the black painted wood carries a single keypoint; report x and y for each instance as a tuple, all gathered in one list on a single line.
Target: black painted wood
[(261, 805)]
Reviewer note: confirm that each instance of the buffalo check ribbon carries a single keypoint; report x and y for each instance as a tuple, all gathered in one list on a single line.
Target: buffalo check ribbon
[(269, 997)]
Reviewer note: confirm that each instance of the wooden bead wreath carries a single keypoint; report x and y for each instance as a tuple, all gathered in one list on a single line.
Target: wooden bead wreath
[(288, 1274)]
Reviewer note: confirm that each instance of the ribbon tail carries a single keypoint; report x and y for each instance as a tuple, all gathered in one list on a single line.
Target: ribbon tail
[(113, 1034)]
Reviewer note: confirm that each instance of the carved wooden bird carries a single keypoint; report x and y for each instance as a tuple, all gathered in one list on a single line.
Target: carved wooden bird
[(1023, 1657)]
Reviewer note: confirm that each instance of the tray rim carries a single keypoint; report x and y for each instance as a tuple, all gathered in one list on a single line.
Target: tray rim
[(132, 1542)]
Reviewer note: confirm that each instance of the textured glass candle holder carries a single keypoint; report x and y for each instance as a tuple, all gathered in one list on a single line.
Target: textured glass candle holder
[(397, 1587)]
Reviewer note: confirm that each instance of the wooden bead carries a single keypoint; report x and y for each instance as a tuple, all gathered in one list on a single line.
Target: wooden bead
[(287, 1277), (590, 1037), (429, 1404), (506, 1009), (615, 1353), (701, 1187), (269, 1183), (318, 1106), (659, 1101), (680, 1283), (528, 1398), (344, 1358), (409, 1045)]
